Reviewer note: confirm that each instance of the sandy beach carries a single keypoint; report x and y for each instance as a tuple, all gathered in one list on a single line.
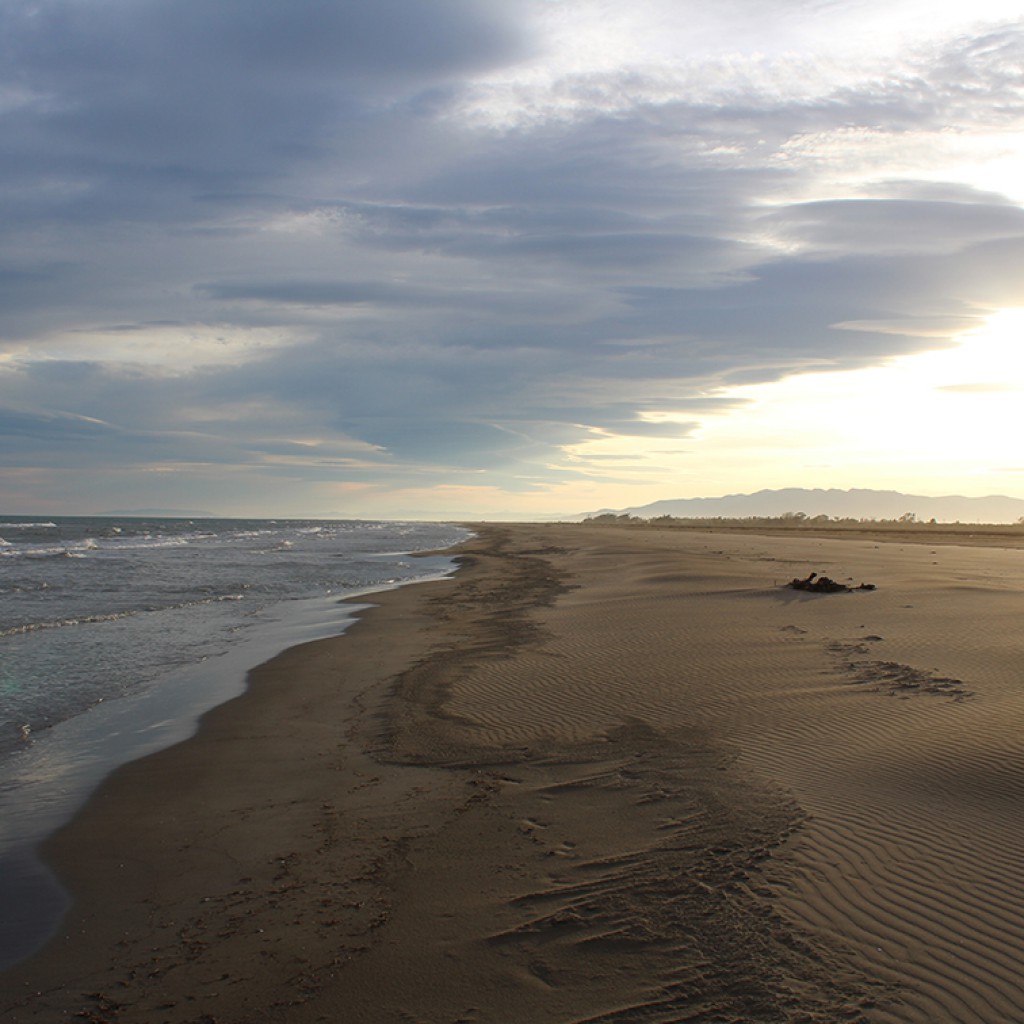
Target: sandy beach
[(605, 773)]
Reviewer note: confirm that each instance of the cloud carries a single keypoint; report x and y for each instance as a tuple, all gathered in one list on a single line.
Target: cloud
[(130, 108), (881, 226), (316, 293), (59, 426), (464, 237)]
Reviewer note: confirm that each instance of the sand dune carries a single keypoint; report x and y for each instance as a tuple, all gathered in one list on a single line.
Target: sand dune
[(607, 774)]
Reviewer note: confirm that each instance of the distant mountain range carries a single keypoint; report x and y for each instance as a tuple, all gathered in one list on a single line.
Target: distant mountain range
[(851, 504)]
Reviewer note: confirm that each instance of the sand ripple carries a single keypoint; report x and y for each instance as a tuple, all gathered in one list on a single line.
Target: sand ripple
[(891, 717)]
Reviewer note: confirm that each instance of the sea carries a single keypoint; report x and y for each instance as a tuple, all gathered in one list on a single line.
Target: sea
[(118, 633)]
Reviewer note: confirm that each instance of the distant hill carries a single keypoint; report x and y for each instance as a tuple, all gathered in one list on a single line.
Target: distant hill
[(851, 504)]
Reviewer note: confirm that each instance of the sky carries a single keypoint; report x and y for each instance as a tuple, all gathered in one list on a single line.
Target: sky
[(466, 259)]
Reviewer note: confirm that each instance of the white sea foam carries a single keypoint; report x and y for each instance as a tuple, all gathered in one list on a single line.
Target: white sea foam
[(81, 620), (94, 608)]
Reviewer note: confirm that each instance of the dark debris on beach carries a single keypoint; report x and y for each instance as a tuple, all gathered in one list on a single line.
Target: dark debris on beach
[(824, 585)]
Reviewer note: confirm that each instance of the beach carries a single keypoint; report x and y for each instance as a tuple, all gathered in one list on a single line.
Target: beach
[(604, 773)]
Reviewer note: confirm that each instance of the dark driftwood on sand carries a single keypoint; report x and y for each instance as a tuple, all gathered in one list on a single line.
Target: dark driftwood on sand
[(823, 585)]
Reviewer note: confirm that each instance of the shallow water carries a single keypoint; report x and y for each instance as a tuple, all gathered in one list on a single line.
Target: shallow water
[(116, 635)]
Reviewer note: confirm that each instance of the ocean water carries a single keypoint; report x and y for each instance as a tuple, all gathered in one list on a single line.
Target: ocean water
[(116, 634)]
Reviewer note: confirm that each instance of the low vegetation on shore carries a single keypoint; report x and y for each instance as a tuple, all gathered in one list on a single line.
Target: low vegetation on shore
[(907, 526)]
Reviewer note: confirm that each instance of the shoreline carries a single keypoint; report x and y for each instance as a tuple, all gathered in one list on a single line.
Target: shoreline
[(72, 760), (600, 774), (243, 748)]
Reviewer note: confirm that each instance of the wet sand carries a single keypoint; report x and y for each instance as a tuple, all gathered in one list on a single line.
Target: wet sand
[(604, 774)]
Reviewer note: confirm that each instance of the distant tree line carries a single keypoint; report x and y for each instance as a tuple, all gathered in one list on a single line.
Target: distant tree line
[(799, 520)]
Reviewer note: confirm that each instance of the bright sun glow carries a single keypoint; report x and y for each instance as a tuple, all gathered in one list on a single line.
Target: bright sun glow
[(950, 415), (941, 421)]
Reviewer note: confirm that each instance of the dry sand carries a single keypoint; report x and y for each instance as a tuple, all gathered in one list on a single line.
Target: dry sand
[(604, 774)]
